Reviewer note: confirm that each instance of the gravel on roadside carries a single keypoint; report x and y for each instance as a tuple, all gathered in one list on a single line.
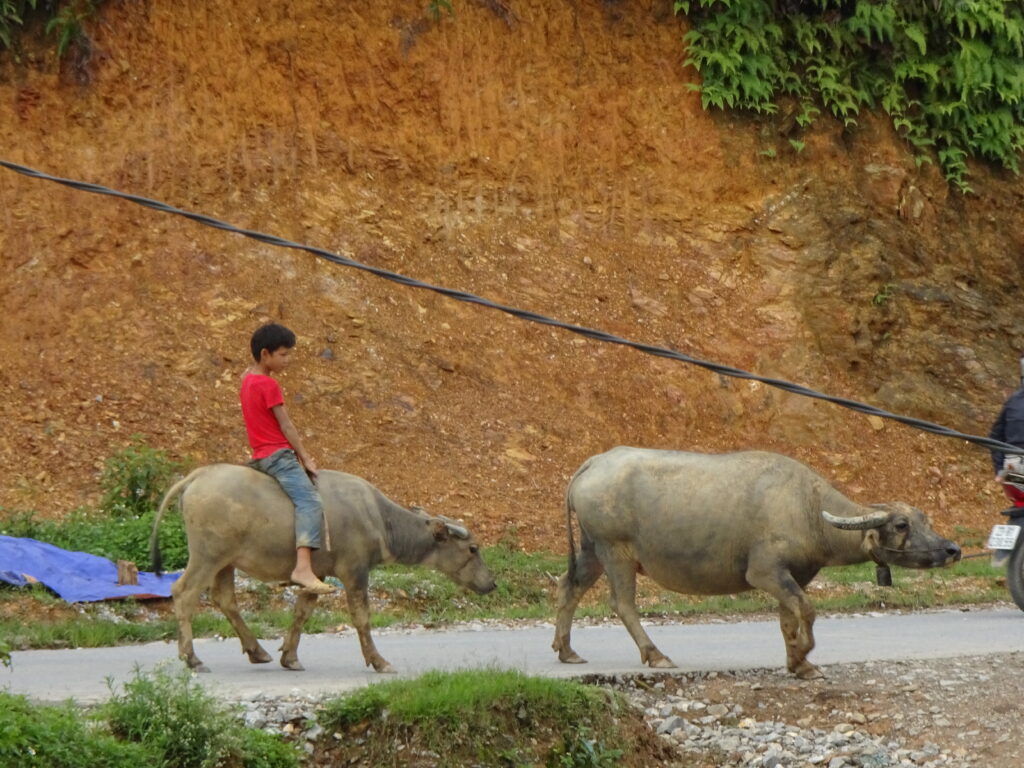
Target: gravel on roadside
[(934, 713)]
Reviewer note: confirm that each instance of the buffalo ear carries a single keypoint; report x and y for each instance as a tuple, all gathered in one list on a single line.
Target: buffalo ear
[(871, 541), (438, 529)]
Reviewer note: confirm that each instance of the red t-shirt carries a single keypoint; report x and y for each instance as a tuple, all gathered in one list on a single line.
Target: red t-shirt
[(258, 395)]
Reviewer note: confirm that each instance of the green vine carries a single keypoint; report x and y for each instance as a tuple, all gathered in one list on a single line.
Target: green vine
[(12, 18), (948, 73), (63, 20)]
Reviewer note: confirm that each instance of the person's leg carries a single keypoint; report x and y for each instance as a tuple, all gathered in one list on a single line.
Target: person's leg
[(303, 563), (286, 469)]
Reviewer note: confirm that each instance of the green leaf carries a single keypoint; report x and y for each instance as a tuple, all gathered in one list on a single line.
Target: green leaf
[(915, 32)]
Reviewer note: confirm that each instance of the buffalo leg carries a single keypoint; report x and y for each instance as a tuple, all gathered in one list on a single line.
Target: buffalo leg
[(359, 607), (304, 605), (570, 592), (223, 594), (798, 645), (185, 592), (796, 618), (622, 583)]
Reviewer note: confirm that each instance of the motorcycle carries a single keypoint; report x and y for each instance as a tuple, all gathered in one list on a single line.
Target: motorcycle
[(1006, 540)]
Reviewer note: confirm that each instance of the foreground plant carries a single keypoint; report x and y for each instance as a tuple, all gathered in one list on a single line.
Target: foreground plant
[(184, 726), (159, 719), (60, 737), (490, 717)]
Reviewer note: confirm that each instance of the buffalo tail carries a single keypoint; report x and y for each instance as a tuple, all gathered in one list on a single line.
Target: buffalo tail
[(154, 540), (569, 512)]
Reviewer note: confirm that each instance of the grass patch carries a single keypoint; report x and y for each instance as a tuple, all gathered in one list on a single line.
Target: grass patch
[(490, 717), (526, 585), (159, 719), (82, 633)]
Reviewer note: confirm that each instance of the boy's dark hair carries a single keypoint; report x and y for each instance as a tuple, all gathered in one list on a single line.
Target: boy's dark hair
[(271, 337)]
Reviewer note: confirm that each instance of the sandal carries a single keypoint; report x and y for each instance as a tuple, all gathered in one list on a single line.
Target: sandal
[(316, 588)]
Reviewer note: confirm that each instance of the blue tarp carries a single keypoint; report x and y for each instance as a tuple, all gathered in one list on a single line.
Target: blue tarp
[(77, 577)]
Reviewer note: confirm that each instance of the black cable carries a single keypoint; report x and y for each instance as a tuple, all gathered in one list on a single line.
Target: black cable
[(592, 333)]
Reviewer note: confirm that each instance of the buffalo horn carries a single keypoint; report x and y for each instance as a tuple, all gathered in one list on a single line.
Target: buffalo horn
[(454, 528), (860, 523)]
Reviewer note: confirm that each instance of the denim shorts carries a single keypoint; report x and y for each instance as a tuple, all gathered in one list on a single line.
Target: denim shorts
[(284, 466)]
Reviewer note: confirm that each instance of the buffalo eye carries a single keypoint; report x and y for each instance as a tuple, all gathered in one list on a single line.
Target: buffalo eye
[(902, 526), (473, 549)]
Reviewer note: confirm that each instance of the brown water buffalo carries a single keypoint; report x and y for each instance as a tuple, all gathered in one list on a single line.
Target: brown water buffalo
[(237, 517), (721, 524)]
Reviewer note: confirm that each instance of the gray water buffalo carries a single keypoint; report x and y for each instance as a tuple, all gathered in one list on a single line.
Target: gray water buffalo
[(721, 524), (237, 517)]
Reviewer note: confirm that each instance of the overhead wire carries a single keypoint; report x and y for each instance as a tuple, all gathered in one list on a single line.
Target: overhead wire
[(591, 333)]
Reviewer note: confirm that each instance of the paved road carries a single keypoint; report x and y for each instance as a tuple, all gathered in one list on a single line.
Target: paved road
[(334, 664)]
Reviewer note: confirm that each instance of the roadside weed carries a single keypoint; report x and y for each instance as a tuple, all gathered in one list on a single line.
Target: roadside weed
[(60, 737), (184, 725)]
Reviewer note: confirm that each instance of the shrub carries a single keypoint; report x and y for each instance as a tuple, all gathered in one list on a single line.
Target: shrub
[(160, 720), (59, 737), (114, 539), (949, 74), (66, 23), (135, 479), (264, 750), (186, 727)]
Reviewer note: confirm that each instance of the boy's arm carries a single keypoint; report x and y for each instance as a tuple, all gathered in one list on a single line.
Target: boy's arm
[(292, 435)]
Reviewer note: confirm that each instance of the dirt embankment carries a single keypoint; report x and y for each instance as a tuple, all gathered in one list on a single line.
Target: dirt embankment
[(546, 155)]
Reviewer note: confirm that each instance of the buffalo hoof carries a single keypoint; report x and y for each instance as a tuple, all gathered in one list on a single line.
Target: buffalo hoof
[(663, 663), (259, 656), (198, 666), (570, 657), (809, 672), (384, 667), (293, 665)]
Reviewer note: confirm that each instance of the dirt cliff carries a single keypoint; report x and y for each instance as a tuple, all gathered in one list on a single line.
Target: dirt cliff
[(548, 155)]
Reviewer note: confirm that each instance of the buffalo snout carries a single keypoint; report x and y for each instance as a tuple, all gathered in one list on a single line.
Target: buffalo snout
[(476, 576), (927, 551), (462, 563), (953, 553), (484, 587)]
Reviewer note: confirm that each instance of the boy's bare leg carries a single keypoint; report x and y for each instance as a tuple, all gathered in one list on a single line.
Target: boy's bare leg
[(303, 575)]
